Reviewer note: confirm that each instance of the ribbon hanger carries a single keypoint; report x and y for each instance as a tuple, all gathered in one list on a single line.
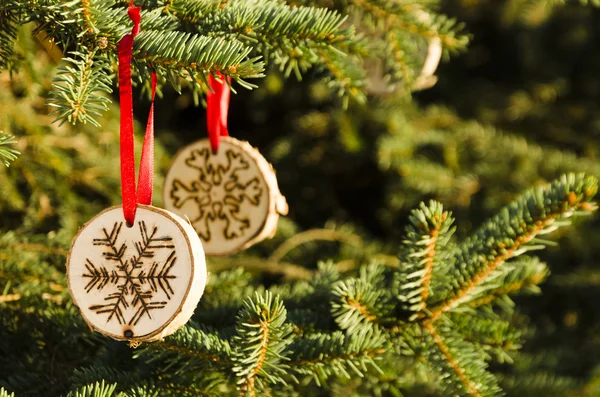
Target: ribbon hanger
[(143, 194), (217, 109)]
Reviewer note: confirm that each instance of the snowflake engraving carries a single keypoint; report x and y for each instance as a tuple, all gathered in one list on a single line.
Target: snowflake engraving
[(217, 193), (137, 278)]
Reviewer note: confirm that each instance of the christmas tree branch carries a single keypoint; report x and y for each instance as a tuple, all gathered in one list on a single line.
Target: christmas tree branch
[(413, 18), (425, 250), (469, 376), (450, 360), (520, 275), (194, 53), (7, 154), (494, 335), (323, 355), (9, 19), (189, 349), (290, 271), (507, 235), (79, 91), (346, 76), (262, 336), (189, 39), (354, 303)]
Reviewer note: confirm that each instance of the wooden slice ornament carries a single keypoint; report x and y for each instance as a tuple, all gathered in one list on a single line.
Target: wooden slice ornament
[(136, 272), (140, 282), (230, 197), (431, 53)]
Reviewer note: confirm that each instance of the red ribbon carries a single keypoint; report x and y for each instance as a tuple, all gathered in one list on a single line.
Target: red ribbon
[(143, 195), (217, 108)]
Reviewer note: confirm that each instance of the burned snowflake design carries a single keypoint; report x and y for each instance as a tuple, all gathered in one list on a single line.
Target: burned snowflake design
[(137, 278), (218, 193)]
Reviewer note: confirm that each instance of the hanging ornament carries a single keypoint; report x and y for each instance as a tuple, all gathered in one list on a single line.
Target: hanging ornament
[(224, 186), (138, 283), (136, 272), (429, 50)]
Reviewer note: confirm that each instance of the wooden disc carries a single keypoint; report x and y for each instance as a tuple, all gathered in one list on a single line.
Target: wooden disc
[(138, 283), (231, 197)]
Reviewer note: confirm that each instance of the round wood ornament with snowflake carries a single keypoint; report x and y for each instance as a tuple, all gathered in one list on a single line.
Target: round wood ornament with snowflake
[(230, 197), (135, 271), (139, 282)]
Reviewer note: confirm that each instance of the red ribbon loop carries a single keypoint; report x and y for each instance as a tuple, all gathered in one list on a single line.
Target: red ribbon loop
[(217, 109), (143, 195)]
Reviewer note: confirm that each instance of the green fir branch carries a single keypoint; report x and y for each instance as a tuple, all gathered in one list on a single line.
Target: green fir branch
[(189, 350), (322, 355), (98, 389), (353, 305), (498, 338), (272, 24), (80, 88), (460, 364), (437, 155), (62, 23), (9, 20), (83, 377), (262, 336), (415, 18), (191, 11), (7, 154), (189, 39), (512, 232), (426, 254), (344, 75), (543, 384), (5, 393), (197, 55), (518, 276)]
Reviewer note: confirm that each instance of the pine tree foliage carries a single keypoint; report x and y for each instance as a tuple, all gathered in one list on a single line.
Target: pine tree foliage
[(434, 321), (427, 250), (497, 337), (4, 393), (514, 232), (456, 162), (186, 40), (78, 82), (7, 153), (262, 349), (462, 366), (57, 165), (8, 34), (94, 390), (262, 336)]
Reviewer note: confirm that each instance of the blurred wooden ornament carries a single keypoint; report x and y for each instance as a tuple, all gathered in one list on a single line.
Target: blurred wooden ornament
[(138, 283), (379, 80), (230, 197)]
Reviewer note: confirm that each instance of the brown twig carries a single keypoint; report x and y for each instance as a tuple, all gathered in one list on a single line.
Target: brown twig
[(312, 235), (288, 270)]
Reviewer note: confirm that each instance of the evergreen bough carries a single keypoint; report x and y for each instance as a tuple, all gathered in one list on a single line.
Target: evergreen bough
[(446, 307), (184, 41), (443, 312), (7, 153)]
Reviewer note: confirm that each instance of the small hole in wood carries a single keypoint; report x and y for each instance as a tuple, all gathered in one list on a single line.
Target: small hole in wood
[(128, 333)]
